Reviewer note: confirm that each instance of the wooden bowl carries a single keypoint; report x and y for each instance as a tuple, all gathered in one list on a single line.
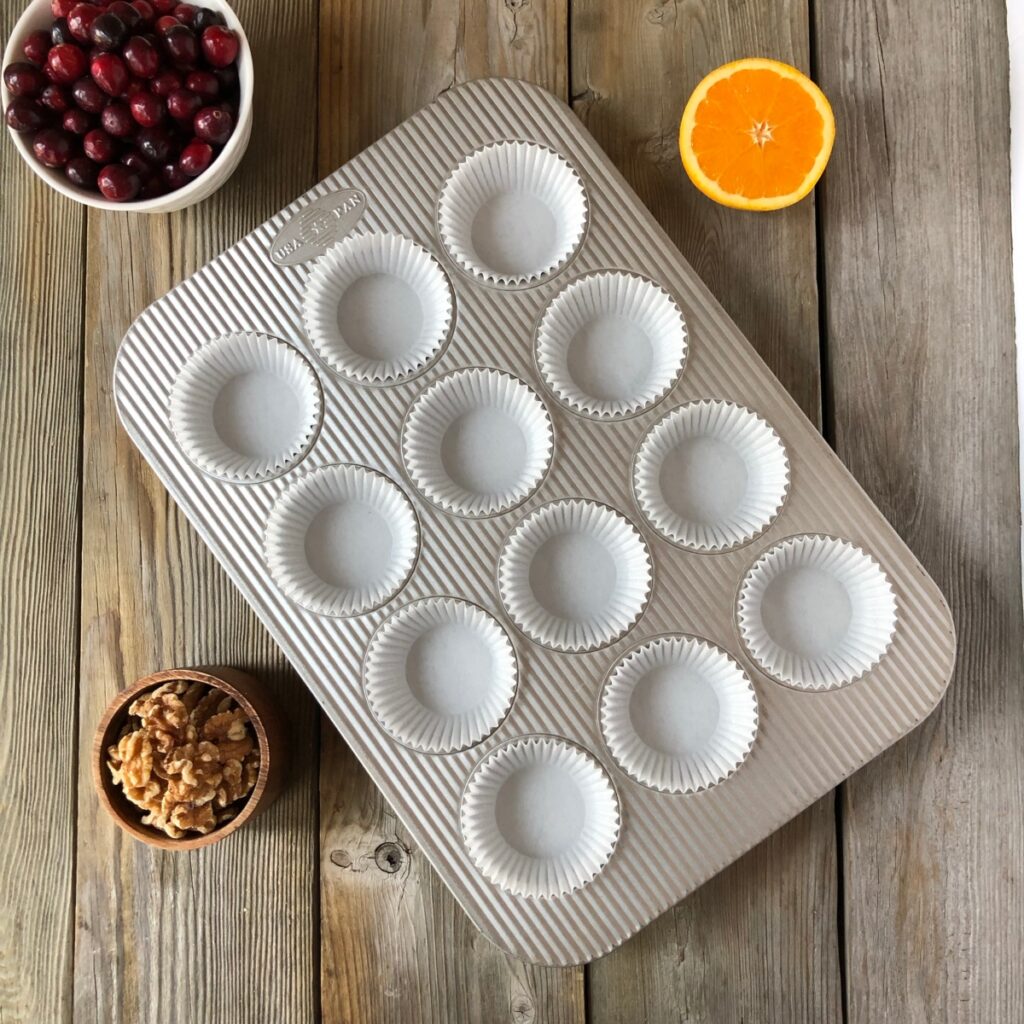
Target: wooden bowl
[(266, 723)]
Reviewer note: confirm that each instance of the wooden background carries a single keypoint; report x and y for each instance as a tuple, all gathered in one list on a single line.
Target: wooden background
[(884, 305)]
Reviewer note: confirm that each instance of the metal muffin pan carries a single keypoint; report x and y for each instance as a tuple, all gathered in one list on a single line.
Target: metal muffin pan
[(559, 862)]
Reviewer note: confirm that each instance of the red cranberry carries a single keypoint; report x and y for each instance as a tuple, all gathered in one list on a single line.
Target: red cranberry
[(109, 73), (36, 47), (81, 171), (164, 6), (80, 21), (228, 78), (117, 120), (220, 46), (181, 46), (76, 121), (55, 98), (141, 57), (212, 124), (136, 162), (119, 183), (183, 104), (99, 146), (165, 23), (108, 31), (173, 176), (60, 33), (205, 18), (24, 115), (88, 95), (147, 109), (185, 13), (195, 158), (52, 147), (165, 83), (62, 8), (154, 144), (203, 83), (24, 79), (152, 188), (145, 10), (65, 63), (126, 13)]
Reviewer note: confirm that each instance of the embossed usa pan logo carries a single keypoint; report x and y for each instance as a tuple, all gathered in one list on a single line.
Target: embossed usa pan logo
[(316, 227)]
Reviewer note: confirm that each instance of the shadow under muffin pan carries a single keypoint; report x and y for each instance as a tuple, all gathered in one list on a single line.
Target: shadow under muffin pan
[(563, 563)]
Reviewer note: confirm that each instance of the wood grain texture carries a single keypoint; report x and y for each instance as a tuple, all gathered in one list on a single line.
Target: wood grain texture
[(226, 934), (920, 331), (395, 945), (40, 443), (758, 942)]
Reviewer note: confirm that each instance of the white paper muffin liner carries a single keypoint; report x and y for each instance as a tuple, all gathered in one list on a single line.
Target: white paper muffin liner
[(816, 612), (611, 345), (678, 714), (246, 407), (477, 442), (512, 213), (575, 575), (540, 817), (396, 303), (711, 475), (342, 540), (440, 675)]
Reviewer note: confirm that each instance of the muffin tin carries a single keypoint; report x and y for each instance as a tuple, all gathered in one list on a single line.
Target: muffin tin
[(587, 594)]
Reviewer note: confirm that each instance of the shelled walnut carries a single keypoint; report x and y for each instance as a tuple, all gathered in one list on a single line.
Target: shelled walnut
[(187, 757)]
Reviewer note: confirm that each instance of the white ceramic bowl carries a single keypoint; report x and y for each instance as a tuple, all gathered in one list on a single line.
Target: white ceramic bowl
[(39, 16)]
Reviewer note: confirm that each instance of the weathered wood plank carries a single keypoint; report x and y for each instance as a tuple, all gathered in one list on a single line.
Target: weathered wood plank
[(40, 445), (395, 945), (920, 332), (759, 942), (229, 933)]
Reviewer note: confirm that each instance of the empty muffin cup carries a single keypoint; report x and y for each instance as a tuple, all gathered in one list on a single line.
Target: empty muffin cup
[(678, 714), (246, 407), (342, 540), (816, 612), (575, 575), (512, 213), (477, 442), (611, 345), (440, 675), (540, 817), (711, 475), (378, 308)]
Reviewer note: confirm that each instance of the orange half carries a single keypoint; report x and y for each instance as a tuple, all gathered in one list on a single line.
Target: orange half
[(756, 134)]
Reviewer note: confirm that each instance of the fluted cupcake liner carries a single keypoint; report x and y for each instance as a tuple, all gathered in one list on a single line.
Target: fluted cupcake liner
[(678, 714), (575, 575), (711, 475), (540, 817), (512, 213), (342, 540), (611, 345), (246, 407), (378, 308), (816, 612), (440, 675), (477, 442)]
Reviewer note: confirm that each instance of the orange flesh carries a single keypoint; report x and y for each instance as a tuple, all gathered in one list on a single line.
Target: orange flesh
[(757, 134)]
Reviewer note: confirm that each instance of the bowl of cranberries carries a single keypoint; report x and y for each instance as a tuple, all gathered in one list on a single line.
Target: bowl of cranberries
[(129, 104)]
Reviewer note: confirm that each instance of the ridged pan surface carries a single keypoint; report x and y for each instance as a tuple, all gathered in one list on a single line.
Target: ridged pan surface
[(668, 844)]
